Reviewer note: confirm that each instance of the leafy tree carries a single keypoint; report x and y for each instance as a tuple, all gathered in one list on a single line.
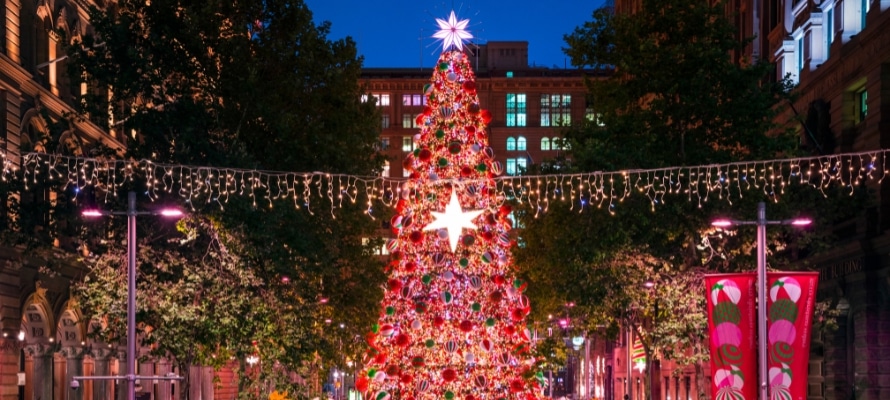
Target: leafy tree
[(244, 84), (674, 97)]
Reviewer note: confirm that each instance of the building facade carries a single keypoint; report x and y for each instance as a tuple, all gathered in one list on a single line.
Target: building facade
[(528, 106)]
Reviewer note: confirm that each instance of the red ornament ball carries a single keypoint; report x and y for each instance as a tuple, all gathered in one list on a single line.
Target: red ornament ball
[(392, 370), (496, 296), (517, 385), (425, 155), (438, 321), (466, 326), (394, 285), (486, 116), (517, 314), (361, 384), (410, 266), (469, 87), (466, 171), (449, 375), (406, 379), (402, 340), (416, 237)]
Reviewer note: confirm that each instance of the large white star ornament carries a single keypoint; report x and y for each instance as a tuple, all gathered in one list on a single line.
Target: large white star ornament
[(452, 32), (454, 219)]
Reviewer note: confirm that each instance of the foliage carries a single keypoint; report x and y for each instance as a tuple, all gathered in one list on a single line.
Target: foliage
[(246, 84), (677, 94)]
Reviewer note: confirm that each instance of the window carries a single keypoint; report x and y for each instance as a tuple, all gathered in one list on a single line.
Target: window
[(382, 99), (556, 109), (385, 121), (545, 143), (865, 5), (520, 143), (413, 100), (511, 166), (385, 172), (511, 143), (384, 143), (516, 166), (407, 143), (829, 32), (378, 250), (516, 109), (409, 121), (861, 105), (800, 54)]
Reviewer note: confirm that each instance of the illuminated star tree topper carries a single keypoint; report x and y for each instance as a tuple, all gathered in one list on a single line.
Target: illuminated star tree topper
[(452, 32)]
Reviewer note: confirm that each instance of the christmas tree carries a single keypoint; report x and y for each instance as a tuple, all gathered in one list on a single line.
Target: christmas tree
[(452, 323)]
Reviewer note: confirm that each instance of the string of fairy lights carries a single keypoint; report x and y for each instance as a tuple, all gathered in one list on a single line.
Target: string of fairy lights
[(598, 190)]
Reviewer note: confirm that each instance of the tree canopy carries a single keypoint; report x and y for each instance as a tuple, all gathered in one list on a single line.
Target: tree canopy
[(244, 84), (677, 93)]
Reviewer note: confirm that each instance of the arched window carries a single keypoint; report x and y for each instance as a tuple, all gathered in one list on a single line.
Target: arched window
[(511, 143), (520, 143), (545, 143)]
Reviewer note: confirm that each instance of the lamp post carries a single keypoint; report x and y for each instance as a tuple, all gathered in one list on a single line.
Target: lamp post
[(131, 214), (761, 223)]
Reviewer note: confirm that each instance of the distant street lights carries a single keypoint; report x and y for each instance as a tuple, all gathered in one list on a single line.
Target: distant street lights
[(761, 223), (131, 214)]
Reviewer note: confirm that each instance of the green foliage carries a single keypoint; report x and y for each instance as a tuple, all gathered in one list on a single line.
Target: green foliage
[(674, 96), (244, 84)]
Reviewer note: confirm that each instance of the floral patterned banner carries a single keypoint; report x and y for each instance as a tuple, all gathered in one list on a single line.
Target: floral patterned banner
[(790, 304), (732, 325)]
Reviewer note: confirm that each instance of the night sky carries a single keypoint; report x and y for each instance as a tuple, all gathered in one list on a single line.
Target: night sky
[(398, 33)]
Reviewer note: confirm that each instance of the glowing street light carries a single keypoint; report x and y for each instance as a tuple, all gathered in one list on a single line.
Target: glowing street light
[(761, 223), (131, 214)]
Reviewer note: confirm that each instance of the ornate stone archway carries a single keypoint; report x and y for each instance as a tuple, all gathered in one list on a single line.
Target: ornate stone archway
[(38, 330)]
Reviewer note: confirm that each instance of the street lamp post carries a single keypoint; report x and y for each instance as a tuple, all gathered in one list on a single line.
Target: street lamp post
[(761, 223), (131, 214)]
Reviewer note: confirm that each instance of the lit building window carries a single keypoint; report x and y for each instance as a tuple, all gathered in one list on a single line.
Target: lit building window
[(385, 121), (413, 100), (409, 121), (520, 143), (511, 143), (861, 105), (516, 109), (382, 99), (385, 172), (407, 143), (516, 166), (556, 109), (511, 166), (829, 31), (545, 143)]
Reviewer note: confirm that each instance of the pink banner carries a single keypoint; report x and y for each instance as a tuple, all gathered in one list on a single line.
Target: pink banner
[(732, 328), (790, 303)]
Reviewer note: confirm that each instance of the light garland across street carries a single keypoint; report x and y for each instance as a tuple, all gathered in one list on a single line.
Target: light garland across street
[(596, 190)]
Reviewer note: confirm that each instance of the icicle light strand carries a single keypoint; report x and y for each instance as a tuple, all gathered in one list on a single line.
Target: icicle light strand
[(593, 190)]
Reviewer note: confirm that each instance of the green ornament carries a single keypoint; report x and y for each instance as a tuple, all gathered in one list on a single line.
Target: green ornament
[(417, 152), (489, 322), (390, 310), (443, 66), (517, 283), (426, 279), (443, 162), (429, 343), (476, 307), (440, 134), (449, 395), (481, 167), (375, 328), (464, 262), (372, 372)]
